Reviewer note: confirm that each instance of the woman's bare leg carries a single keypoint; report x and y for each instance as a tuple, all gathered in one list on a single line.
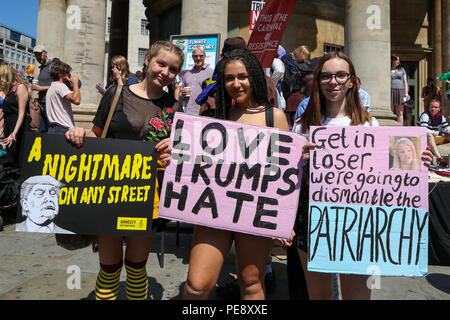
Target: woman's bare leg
[(110, 249), (399, 112), (252, 253), (138, 248), (354, 287), (209, 249), (320, 285)]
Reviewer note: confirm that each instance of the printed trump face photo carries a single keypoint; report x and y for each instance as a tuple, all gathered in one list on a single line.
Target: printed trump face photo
[(39, 196)]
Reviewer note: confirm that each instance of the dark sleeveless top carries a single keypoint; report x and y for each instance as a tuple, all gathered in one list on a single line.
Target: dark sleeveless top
[(11, 114)]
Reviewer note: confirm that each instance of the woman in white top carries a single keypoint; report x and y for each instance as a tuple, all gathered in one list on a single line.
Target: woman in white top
[(334, 102)]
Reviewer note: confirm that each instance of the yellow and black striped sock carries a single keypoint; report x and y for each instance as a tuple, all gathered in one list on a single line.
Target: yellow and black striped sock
[(137, 281), (107, 286)]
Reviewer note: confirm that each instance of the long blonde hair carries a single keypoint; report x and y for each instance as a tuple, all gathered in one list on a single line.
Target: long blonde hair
[(415, 165), (122, 64), (301, 53), (8, 77)]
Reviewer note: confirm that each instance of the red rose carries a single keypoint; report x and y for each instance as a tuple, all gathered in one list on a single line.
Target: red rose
[(157, 123), (170, 110)]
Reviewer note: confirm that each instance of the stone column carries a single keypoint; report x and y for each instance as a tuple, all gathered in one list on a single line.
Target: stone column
[(84, 45), (437, 39), (368, 44), (445, 35), (51, 27), (445, 49), (205, 16)]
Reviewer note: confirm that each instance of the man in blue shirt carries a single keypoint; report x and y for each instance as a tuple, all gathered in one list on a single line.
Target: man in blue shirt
[(363, 95), (306, 82)]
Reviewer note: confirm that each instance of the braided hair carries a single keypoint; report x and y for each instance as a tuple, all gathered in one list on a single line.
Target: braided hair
[(255, 75)]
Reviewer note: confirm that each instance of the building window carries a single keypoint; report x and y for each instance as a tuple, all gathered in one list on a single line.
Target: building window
[(141, 56), (327, 48), (109, 25), (144, 30)]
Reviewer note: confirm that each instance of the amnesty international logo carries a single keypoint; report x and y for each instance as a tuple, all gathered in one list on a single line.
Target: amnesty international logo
[(127, 223)]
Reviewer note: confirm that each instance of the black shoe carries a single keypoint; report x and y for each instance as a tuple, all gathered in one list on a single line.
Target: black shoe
[(270, 282)]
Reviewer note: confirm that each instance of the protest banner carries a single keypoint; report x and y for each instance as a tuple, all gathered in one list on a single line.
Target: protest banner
[(232, 176), (269, 30), (187, 43), (368, 206), (105, 187), (256, 9)]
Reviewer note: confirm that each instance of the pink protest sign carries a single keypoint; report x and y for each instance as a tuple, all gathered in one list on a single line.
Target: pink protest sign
[(368, 206), (232, 176)]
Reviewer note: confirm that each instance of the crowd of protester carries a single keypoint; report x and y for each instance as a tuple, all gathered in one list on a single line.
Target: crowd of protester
[(291, 95)]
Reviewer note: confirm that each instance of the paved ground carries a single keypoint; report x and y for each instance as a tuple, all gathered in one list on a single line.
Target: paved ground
[(33, 267)]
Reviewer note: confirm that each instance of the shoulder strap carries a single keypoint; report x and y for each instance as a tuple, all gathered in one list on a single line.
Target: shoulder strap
[(269, 117), (111, 111), (13, 89)]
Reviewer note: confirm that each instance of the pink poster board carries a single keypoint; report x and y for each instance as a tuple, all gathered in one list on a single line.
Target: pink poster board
[(232, 176)]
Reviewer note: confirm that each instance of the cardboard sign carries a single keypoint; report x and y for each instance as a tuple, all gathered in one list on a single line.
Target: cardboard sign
[(105, 187), (269, 30), (257, 7), (232, 176), (187, 43), (368, 206)]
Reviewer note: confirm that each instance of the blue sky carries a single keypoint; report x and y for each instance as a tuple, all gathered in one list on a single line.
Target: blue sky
[(20, 15)]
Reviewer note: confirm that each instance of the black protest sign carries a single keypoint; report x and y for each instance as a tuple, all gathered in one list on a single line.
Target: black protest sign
[(105, 187)]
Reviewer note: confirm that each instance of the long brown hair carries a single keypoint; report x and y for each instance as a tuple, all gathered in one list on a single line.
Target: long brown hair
[(317, 104)]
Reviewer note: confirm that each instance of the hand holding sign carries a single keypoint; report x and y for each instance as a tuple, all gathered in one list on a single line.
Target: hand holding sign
[(164, 151), (76, 136)]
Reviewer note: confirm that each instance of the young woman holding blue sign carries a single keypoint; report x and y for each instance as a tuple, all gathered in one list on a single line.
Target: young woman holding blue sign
[(240, 79), (142, 112), (334, 102)]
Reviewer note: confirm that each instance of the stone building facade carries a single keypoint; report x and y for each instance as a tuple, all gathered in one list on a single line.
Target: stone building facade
[(368, 31)]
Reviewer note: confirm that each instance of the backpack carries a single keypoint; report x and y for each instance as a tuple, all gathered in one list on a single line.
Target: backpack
[(9, 186), (291, 76)]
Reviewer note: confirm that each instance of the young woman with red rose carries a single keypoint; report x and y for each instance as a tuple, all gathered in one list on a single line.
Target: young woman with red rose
[(144, 111)]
